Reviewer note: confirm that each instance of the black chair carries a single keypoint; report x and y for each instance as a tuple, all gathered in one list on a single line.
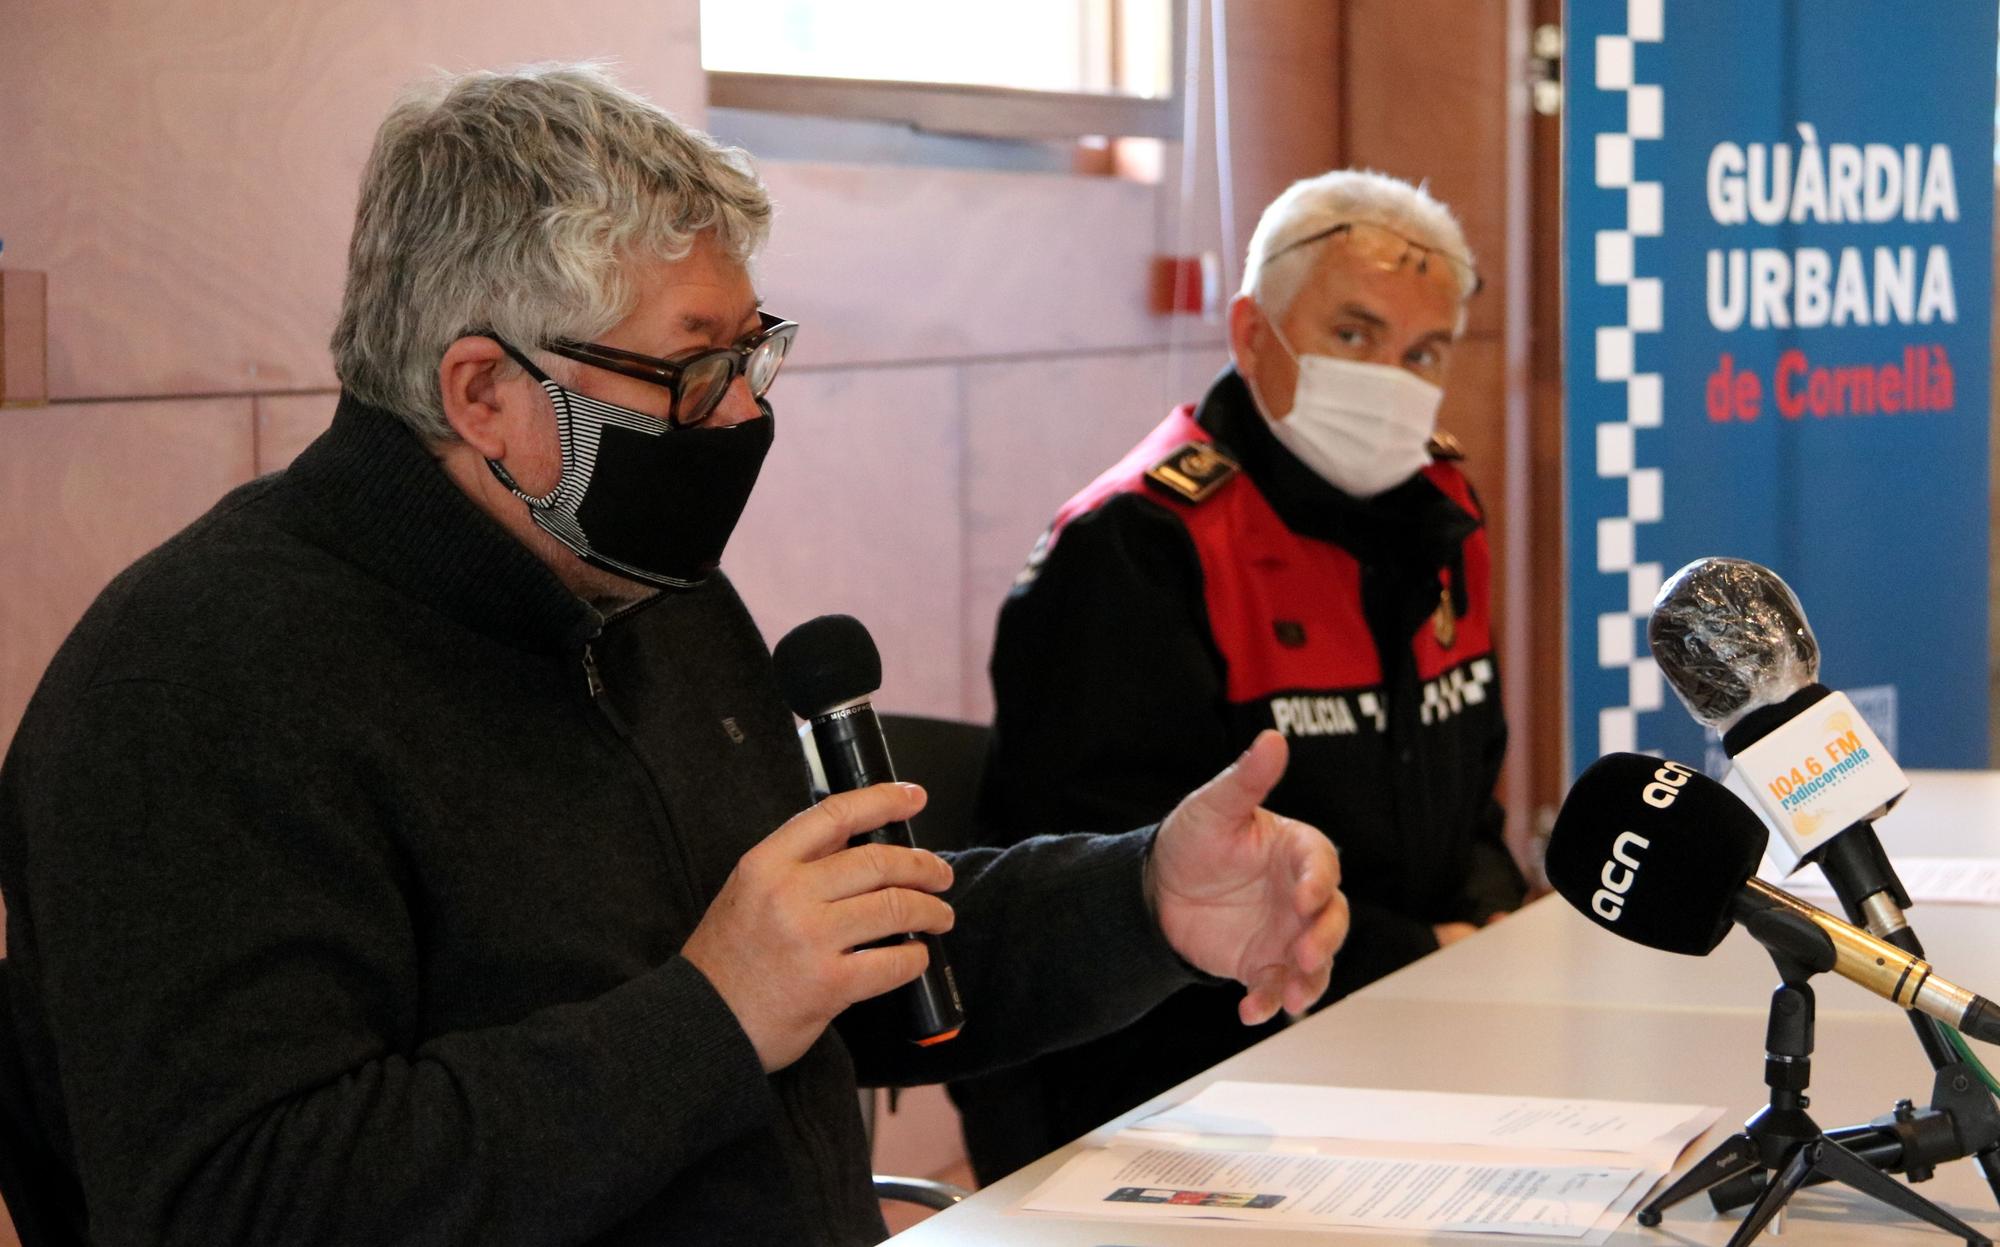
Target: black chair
[(948, 758), (41, 1194), (1002, 1109)]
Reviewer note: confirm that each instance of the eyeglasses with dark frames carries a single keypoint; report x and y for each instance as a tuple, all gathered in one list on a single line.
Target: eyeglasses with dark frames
[(698, 380), (1387, 249)]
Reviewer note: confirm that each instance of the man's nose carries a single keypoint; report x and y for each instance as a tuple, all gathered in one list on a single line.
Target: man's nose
[(736, 407)]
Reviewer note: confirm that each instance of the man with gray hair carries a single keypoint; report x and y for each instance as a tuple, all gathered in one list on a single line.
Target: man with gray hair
[(415, 849), (1298, 551)]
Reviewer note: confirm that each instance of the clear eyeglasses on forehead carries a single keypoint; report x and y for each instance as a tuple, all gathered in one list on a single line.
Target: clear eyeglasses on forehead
[(1386, 249), (696, 381)]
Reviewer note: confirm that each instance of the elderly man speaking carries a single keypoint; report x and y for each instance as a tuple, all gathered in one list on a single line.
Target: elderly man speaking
[(415, 849)]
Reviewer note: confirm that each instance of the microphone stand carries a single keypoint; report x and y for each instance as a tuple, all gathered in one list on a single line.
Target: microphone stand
[(1962, 1118), (1781, 1137)]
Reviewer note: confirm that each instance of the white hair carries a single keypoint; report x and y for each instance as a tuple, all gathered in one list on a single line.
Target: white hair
[(1272, 275), (512, 203)]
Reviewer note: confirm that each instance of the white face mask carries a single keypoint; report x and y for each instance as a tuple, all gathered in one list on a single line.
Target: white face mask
[(1364, 428)]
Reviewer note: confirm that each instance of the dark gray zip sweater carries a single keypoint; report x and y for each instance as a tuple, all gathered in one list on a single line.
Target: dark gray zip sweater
[(347, 859)]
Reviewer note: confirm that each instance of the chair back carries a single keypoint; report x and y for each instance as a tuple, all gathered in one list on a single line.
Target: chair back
[(948, 758), (41, 1194)]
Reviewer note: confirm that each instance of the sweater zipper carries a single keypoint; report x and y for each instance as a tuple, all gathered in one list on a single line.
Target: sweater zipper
[(593, 684), (594, 689)]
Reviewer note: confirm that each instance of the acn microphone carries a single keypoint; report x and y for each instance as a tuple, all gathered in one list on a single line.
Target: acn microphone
[(827, 669), (1666, 857)]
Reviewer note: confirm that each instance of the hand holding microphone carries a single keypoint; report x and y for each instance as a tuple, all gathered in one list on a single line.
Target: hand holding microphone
[(827, 669), (835, 906), (787, 943)]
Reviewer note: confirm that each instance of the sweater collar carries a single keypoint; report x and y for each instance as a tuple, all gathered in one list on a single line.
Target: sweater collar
[(1412, 527), (374, 495)]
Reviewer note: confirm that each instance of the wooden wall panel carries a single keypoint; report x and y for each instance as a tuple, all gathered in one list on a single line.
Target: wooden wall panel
[(1285, 108), (1471, 416), (85, 490), (1427, 91), (186, 173), (857, 512), (1472, 413)]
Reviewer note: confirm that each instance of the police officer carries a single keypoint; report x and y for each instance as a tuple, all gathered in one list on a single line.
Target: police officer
[(1296, 551)]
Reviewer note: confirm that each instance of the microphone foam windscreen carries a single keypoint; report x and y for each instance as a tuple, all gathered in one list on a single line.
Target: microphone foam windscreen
[(824, 662), (1730, 637), (1654, 851)]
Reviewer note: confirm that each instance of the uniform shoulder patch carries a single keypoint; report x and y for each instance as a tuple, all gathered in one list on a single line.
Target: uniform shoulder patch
[(1193, 472), (1445, 447)]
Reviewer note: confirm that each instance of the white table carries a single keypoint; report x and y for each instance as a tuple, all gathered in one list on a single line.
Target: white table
[(1544, 1003)]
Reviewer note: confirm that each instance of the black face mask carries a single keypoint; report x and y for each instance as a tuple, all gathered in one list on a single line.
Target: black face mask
[(639, 498)]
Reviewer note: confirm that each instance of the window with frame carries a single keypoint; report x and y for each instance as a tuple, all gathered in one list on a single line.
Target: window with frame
[(1023, 70)]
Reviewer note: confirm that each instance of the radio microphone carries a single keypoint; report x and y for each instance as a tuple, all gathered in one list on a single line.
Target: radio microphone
[(1732, 639), (1666, 857), (827, 669)]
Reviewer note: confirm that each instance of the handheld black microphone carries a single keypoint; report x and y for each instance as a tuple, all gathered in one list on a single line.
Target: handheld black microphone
[(1666, 857), (1732, 639), (827, 669)]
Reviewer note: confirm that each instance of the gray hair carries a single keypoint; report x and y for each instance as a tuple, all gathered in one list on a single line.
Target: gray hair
[(512, 203), (1272, 276)]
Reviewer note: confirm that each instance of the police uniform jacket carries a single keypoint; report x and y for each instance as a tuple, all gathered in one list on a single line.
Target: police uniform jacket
[(1206, 587)]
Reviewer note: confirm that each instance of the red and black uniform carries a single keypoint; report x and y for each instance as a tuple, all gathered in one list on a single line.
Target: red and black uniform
[(1207, 587)]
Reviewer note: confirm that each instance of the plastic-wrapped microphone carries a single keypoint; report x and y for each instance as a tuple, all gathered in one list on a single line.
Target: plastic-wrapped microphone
[(1732, 639), (827, 669), (1666, 857)]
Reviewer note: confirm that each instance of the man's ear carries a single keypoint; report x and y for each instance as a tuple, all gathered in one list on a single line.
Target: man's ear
[(1245, 321), (474, 404)]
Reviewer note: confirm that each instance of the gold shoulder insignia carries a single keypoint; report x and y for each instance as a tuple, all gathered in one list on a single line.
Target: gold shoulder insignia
[(1193, 472), (1444, 446)]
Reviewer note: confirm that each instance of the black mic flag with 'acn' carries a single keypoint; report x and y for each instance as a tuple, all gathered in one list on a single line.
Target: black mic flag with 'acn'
[(1666, 857)]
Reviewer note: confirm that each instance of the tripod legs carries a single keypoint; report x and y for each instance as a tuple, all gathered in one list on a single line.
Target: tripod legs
[(1836, 1162), (1735, 1156), (1784, 1183), (1784, 1139)]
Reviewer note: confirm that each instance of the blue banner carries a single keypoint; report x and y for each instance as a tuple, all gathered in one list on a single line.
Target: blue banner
[(1778, 224)]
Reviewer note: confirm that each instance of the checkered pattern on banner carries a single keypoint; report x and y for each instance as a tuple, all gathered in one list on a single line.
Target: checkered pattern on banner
[(1621, 634)]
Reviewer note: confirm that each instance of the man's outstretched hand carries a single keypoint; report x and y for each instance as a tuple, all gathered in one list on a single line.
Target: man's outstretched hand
[(1242, 893)]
